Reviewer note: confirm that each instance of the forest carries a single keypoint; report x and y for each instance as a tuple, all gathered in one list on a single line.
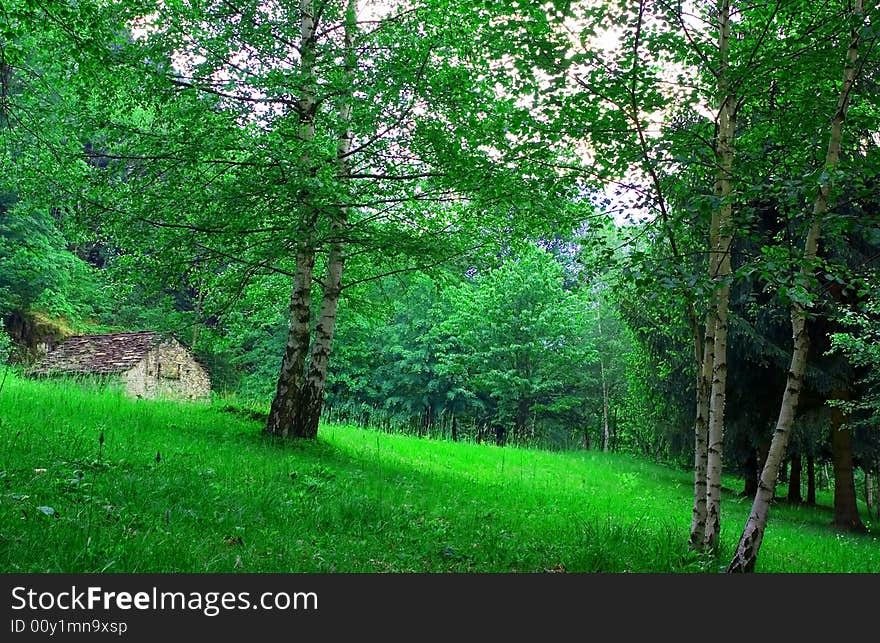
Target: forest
[(639, 229)]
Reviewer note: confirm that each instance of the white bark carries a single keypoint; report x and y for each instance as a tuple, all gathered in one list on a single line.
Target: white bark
[(722, 269), (292, 370), (703, 352), (704, 360), (753, 533), (312, 397)]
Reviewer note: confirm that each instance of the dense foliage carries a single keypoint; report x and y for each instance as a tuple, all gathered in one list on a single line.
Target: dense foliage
[(633, 226)]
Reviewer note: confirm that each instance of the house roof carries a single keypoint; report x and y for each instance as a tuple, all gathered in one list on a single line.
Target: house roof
[(98, 354)]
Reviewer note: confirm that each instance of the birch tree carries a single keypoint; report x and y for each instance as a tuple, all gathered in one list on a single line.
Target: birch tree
[(286, 400), (720, 240), (297, 405), (311, 396), (261, 139), (663, 67), (750, 541)]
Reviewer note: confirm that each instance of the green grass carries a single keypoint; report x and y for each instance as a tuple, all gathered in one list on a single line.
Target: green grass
[(222, 498)]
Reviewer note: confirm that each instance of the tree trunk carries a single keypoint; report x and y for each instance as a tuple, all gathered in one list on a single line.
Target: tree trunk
[(522, 418), (701, 353), (701, 426), (454, 428), (750, 541), (614, 430), (311, 398), (282, 414), (794, 481), (307, 400), (754, 471), (716, 424), (811, 480), (869, 493), (846, 509), (606, 443), (723, 190), (429, 420), (753, 533)]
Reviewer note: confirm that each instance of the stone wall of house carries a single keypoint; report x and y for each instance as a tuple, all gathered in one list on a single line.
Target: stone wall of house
[(168, 372)]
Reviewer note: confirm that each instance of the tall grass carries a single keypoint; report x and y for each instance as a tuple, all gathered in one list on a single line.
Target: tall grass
[(194, 488)]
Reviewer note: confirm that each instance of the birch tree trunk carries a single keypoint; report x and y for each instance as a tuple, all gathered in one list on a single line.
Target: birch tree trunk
[(753, 533), (282, 414), (701, 352), (701, 424), (311, 398), (311, 395), (722, 270)]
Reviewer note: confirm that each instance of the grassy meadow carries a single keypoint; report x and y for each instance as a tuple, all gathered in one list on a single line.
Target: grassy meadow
[(196, 488)]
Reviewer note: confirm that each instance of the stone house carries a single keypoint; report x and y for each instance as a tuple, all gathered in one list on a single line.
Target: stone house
[(149, 365)]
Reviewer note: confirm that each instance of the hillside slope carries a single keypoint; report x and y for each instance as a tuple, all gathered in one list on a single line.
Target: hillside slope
[(194, 488)]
